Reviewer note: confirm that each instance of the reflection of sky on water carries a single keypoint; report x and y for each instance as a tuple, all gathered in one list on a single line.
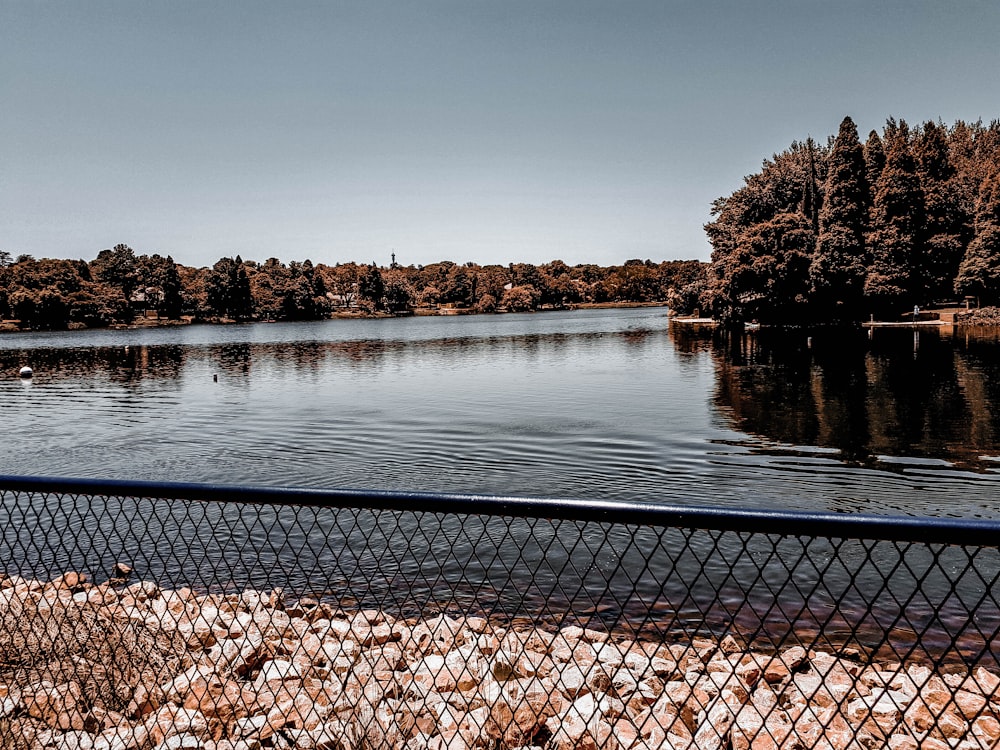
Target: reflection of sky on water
[(606, 403)]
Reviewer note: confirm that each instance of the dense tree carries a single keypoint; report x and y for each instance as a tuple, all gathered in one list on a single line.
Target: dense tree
[(59, 293), (228, 289), (946, 222), (490, 281), (342, 282), (399, 294), (736, 233), (899, 207), (839, 264), (371, 287), (979, 273), (160, 282), (117, 267), (874, 162), (39, 292), (897, 222), (520, 298), (771, 270)]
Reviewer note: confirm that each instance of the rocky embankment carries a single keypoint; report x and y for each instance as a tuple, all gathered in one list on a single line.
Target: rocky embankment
[(115, 666), (983, 316)]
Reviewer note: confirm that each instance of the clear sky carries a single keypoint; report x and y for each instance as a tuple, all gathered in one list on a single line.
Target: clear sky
[(459, 130)]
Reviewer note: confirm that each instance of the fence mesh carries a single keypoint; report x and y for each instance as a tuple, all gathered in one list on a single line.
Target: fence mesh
[(131, 621)]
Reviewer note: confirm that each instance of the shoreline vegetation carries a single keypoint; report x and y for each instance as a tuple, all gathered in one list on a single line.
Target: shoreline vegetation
[(838, 233), (847, 232), (981, 317), (13, 326), (120, 288), (132, 665)]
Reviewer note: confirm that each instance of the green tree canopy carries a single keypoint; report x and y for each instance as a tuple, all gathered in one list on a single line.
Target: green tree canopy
[(979, 272), (839, 264), (897, 221)]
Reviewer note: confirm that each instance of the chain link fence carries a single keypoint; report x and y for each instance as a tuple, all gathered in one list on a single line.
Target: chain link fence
[(137, 615)]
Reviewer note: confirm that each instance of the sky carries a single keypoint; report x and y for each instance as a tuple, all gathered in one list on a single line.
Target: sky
[(463, 130)]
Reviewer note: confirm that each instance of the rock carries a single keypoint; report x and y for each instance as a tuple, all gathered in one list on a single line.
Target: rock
[(75, 740), (181, 741), (477, 624), (886, 707), (300, 712), (431, 672), (713, 730), (372, 635), (58, 706), (970, 704), (123, 737), (985, 682), (987, 728), (257, 676), (71, 580), (174, 720), (121, 570), (240, 655), (572, 634), (760, 730), (729, 645), (794, 658), (952, 725), (10, 705), (279, 670), (581, 727), (439, 635), (252, 727), (504, 665), (105, 718), (531, 709), (827, 728), (218, 698), (572, 682), (141, 591)]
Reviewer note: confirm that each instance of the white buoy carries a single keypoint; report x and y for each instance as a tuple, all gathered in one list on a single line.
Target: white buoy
[(26, 372)]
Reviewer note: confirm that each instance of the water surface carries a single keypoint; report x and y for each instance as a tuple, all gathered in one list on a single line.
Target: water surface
[(602, 403), (610, 404)]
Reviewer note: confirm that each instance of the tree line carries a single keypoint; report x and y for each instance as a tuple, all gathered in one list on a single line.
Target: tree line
[(841, 231), (120, 285)]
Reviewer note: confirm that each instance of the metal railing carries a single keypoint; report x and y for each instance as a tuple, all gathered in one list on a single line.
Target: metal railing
[(142, 615)]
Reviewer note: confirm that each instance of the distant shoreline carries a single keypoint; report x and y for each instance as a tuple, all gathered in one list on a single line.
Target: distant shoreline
[(984, 317), (11, 326)]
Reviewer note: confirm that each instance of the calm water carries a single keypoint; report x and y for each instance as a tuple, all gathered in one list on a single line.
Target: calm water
[(592, 404), (601, 404)]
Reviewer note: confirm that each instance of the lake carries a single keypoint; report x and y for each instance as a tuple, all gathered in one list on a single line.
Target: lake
[(610, 404), (614, 404)]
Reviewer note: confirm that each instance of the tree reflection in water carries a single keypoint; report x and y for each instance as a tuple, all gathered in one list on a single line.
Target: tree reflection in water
[(873, 399)]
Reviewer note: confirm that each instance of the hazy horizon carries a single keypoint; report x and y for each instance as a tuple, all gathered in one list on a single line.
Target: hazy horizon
[(493, 133)]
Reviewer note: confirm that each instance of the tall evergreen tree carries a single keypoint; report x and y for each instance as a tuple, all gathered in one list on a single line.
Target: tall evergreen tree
[(947, 224), (979, 272), (838, 268), (874, 162), (896, 224), (810, 191)]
